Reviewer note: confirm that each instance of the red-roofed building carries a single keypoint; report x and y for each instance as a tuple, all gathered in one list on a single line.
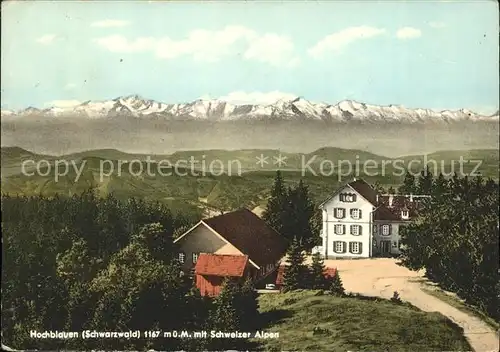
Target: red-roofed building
[(237, 233), (212, 269)]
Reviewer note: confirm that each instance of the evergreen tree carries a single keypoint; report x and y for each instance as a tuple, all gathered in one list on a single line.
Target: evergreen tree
[(391, 190), (198, 319), (147, 291), (378, 187), (225, 315), (76, 269), (83, 262), (396, 298), (455, 238), (317, 279), (295, 275), (248, 306), (317, 227), (408, 186), (425, 182), (274, 213), (454, 184), (336, 287), (440, 186), (298, 217)]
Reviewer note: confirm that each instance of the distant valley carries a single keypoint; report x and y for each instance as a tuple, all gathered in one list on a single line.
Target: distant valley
[(215, 189)]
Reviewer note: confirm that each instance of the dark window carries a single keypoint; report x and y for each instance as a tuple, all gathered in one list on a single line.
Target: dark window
[(347, 197), (355, 247), (339, 247), (339, 213)]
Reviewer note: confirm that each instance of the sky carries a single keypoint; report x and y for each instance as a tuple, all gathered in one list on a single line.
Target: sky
[(438, 55)]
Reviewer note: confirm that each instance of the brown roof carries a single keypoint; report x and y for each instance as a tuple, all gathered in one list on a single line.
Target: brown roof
[(360, 186), (363, 188), (391, 206), (384, 213), (251, 235), (221, 265), (329, 272)]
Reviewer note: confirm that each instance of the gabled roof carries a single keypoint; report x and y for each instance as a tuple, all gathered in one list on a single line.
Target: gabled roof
[(391, 206), (362, 188), (250, 235), (329, 272), (221, 265)]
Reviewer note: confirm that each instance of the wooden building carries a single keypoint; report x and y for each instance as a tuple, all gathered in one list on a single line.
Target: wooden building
[(212, 270)]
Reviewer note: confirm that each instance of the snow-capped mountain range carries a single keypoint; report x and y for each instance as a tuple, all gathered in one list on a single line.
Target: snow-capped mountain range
[(218, 110)]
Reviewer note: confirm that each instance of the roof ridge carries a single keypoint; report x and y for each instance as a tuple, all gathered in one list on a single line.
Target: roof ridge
[(229, 212), (223, 255), (250, 234)]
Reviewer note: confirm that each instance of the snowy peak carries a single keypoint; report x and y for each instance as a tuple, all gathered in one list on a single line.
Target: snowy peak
[(6, 112), (297, 108)]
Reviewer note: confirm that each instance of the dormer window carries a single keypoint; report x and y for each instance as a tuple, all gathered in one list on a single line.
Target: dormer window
[(347, 197), (405, 214)]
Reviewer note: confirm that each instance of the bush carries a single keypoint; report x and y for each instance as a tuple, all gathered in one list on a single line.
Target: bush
[(395, 298), (320, 331)]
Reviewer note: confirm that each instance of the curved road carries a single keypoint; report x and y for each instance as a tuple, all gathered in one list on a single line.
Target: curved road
[(382, 276)]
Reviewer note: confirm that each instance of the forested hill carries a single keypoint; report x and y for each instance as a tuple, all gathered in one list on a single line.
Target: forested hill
[(216, 189)]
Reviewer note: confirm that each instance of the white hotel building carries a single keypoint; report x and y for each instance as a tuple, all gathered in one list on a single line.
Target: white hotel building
[(360, 223)]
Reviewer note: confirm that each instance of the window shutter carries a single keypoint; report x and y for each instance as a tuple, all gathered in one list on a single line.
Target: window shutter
[(360, 230), (343, 230), (344, 247), (360, 216), (353, 197), (350, 247), (390, 229), (343, 213), (360, 247)]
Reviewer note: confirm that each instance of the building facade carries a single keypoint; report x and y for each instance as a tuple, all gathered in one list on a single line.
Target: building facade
[(212, 270), (358, 222), (238, 233)]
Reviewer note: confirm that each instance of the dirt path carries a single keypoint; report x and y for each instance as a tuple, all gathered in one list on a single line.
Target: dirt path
[(381, 277)]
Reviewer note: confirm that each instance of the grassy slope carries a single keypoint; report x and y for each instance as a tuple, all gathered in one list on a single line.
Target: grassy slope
[(354, 324)]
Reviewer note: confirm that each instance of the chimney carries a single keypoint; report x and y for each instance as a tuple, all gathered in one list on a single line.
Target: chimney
[(391, 197)]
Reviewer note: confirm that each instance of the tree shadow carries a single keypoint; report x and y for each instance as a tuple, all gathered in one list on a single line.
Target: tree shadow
[(273, 317)]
